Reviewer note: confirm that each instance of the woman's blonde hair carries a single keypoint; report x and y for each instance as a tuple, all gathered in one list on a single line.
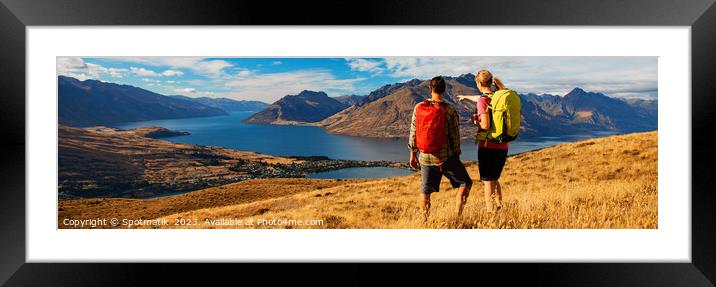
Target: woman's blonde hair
[(485, 79)]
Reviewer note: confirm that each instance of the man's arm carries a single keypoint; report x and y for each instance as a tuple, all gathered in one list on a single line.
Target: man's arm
[(411, 142), (455, 131), (411, 137)]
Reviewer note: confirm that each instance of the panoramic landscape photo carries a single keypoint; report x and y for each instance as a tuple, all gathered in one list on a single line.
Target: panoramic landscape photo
[(379, 142)]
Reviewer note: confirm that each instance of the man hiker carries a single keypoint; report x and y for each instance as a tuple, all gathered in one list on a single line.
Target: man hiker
[(435, 135)]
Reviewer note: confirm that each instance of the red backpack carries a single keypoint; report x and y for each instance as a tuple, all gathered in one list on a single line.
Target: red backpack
[(429, 126)]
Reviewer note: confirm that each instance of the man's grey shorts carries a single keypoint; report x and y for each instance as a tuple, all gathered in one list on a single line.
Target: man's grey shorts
[(452, 168)]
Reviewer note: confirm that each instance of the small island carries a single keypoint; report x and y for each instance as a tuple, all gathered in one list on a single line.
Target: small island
[(156, 132)]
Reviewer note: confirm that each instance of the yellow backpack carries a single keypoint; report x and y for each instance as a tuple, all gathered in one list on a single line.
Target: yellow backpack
[(504, 111)]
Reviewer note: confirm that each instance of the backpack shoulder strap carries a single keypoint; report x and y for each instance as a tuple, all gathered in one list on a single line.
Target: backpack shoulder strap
[(489, 106), (431, 102)]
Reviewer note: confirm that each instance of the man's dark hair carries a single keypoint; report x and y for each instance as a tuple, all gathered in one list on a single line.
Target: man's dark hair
[(437, 84)]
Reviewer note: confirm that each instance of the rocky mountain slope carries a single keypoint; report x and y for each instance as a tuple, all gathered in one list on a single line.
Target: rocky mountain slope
[(579, 111), (349, 100), (92, 102), (305, 107), (389, 112)]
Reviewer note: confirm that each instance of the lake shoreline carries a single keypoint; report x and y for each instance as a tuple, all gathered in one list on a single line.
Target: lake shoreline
[(305, 165), (312, 140), (301, 169), (104, 162)]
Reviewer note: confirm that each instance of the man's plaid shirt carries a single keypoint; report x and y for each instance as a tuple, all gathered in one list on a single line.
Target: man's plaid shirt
[(452, 143)]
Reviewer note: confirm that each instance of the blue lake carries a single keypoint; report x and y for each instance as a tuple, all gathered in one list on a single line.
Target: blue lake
[(228, 131)]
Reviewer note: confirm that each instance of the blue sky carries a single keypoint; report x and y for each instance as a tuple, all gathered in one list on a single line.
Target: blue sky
[(268, 79)]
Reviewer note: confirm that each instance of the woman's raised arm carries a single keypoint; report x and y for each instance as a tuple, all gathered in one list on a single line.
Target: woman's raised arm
[(473, 98)]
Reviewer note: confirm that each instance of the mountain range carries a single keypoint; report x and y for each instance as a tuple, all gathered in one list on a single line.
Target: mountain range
[(349, 99), (92, 102), (228, 105), (386, 112), (305, 107)]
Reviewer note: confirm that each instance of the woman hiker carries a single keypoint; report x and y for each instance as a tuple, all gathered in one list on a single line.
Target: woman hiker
[(491, 155)]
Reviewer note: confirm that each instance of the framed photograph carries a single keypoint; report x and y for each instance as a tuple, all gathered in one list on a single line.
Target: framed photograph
[(399, 132)]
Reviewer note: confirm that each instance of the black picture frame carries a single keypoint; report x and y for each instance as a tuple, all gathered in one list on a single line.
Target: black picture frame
[(16, 15)]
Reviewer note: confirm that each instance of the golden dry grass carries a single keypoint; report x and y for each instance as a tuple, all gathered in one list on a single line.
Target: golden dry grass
[(600, 183), (230, 194)]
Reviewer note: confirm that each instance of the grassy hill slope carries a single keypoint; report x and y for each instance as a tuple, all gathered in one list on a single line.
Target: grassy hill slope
[(599, 183), (107, 162)]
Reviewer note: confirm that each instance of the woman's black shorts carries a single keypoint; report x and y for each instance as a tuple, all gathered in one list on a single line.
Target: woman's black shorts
[(490, 163)]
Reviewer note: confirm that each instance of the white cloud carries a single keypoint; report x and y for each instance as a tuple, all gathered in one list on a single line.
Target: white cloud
[(185, 90), (77, 68), (70, 63), (144, 72), (365, 65), (197, 82), (116, 73), (169, 73), (428, 67), (210, 67), (203, 66), (271, 87), (614, 76), (231, 72), (149, 73)]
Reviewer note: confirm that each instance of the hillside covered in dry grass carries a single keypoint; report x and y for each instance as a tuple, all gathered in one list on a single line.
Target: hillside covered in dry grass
[(101, 161), (599, 183)]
